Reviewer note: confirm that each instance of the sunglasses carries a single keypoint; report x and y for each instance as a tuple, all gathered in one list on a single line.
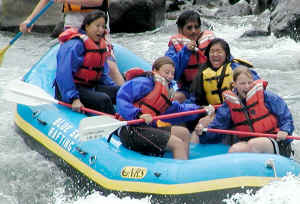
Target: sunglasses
[(190, 27)]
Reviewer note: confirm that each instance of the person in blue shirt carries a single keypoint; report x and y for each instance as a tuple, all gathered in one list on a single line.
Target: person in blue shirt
[(186, 49), (149, 94), (74, 13), (251, 108), (82, 75)]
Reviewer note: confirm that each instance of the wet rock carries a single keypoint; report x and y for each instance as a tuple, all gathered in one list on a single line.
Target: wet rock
[(59, 28), (261, 25), (15, 12), (285, 19), (255, 33), (136, 15), (242, 8), (173, 5), (126, 15), (212, 3), (259, 6)]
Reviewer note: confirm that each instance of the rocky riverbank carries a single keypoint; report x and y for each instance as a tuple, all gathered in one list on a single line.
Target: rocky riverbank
[(279, 17)]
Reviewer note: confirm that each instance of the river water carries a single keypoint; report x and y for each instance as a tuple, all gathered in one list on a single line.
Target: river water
[(27, 177)]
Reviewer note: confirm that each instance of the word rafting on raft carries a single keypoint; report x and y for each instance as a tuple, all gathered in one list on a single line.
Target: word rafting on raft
[(58, 131)]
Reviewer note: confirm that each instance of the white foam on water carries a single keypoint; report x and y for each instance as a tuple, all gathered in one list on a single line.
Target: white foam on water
[(283, 191), (96, 198)]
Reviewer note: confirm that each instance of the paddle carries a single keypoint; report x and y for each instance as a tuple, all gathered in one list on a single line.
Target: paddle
[(18, 35), (295, 97), (246, 134), (28, 94), (90, 127), (103, 126)]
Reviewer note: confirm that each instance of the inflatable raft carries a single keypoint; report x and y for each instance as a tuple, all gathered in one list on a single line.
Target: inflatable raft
[(209, 174)]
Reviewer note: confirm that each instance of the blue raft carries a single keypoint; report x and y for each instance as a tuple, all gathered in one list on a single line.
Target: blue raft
[(110, 165)]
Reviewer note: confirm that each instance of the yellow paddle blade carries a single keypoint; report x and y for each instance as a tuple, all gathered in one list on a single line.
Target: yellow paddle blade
[(2, 52)]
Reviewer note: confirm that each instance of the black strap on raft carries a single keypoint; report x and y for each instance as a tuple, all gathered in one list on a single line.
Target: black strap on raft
[(109, 137)]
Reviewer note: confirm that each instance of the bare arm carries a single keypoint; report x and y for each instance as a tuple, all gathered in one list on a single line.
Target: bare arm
[(23, 26), (83, 2), (37, 9), (43, 3)]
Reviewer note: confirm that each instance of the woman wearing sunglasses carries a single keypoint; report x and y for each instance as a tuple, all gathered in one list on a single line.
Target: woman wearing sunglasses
[(186, 49)]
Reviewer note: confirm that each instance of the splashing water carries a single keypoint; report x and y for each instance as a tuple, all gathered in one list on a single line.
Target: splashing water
[(283, 191)]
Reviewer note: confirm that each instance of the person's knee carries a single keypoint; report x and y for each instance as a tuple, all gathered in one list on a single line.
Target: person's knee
[(240, 147), (261, 145), (178, 147), (182, 132), (175, 143)]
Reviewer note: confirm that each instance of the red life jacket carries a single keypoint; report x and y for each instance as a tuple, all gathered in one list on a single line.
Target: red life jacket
[(133, 72), (254, 116), (95, 55), (158, 100), (197, 58)]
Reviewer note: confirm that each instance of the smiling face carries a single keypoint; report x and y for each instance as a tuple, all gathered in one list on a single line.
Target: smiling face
[(167, 71), (217, 55), (191, 30), (243, 84), (96, 29)]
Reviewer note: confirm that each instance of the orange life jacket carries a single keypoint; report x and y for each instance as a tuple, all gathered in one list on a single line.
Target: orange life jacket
[(95, 55), (158, 100), (197, 58), (254, 116), (67, 7), (133, 72)]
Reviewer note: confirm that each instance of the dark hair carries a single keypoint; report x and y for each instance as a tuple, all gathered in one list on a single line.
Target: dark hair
[(159, 62), (223, 44), (188, 16), (197, 85), (91, 17)]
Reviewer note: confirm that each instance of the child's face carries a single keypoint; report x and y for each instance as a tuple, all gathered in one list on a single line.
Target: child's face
[(167, 71), (96, 29), (243, 84)]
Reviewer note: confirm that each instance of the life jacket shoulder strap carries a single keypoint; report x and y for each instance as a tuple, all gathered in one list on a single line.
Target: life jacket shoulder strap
[(243, 62)]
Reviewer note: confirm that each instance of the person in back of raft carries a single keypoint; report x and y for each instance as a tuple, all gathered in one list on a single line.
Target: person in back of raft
[(186, 49), (249, 107), (82, 70), (149, 94)]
